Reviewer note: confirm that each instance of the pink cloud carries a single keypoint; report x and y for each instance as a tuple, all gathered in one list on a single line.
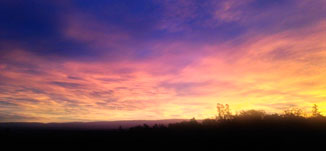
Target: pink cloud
[(182, 79)]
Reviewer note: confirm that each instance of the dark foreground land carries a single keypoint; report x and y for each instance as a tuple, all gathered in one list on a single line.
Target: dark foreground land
[(268, 133)]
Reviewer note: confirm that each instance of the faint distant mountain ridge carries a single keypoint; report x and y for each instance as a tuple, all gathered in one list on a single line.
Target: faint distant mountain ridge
[(100, 125)]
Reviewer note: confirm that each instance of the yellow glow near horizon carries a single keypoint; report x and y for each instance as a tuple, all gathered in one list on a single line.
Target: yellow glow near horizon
[(175, 78)]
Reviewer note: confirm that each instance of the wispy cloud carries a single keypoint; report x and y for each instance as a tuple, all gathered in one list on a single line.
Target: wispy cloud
[(161, 60)]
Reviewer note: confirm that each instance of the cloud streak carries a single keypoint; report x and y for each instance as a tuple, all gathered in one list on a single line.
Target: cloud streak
[(160, 60)]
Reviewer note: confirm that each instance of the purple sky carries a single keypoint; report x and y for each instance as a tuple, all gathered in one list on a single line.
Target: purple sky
[(91, 60)]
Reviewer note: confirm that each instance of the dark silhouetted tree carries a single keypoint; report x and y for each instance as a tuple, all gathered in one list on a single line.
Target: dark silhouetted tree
[(315, 111), (193, 121), (293, 112), (223, 111), (252, 114)]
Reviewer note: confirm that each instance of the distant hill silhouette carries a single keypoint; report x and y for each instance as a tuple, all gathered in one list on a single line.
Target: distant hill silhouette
[(100, 125), (251, 129)]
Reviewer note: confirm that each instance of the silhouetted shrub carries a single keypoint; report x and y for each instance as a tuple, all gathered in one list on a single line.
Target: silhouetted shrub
[(223, 111), (251, 115)]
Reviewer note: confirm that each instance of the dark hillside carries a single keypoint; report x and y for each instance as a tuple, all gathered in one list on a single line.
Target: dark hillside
[(240, 131)]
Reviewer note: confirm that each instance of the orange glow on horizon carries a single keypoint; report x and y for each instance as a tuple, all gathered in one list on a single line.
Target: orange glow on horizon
[(175, 67)]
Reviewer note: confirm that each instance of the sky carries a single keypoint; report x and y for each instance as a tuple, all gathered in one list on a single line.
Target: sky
[(105, 60)]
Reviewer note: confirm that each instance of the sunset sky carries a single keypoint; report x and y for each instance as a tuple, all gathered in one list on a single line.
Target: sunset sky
[(104, 60)]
